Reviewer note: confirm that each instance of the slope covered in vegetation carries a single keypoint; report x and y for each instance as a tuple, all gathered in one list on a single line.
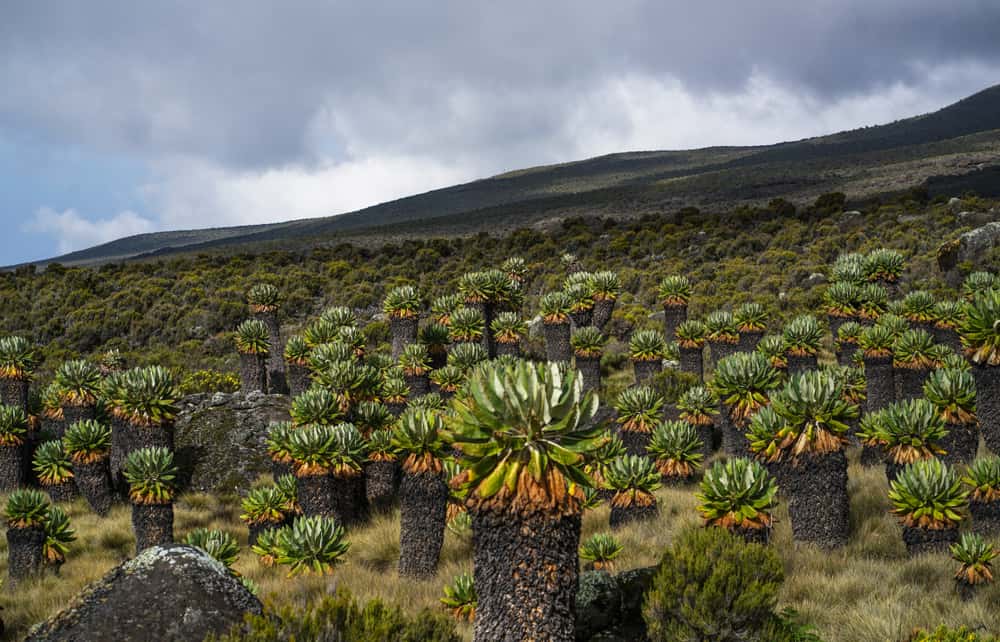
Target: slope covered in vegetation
[(181, 312)]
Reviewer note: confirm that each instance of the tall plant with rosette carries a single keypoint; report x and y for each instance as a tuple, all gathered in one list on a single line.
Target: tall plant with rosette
[(639, 411), (265, 300), (328, 465), (809, 444), (918, 308), (339, 317), (79, 385), (739, 496), (416, 365), (17, 366), (13, 434), (876, 344), (953, 393), (467, 356), (884, 266), (317, 406), (607, 288), (842, 301), (846, 342), (297, 365), (112, 361), (508, 331), (467, 325), (691, 336), (58, 536), (436, 337), (947, 317), (516, 268), (556, 326), (588, 347), (676, 449), (448, 380), (420, 440), (699, 406), (980, 334), (983, 481), (598, 462), (742, 382), (88, 444), (751, 322), (914, 356), (772, 346), (674, 293), (524, 435), (723, 335), (152, 479), (647, 349), (149, 404), (381, 470), (402, 306), (633, 478), (803, 336), (874, 301), (487, 291), (394, 392), (26, 512), (54, 470), (254, 345), (848, 268), (263, 509), (444, 306), (928, 498), (978, 282), (579, 287)]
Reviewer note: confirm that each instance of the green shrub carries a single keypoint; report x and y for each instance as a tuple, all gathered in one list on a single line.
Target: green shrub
[(340, 617), (711, 585)]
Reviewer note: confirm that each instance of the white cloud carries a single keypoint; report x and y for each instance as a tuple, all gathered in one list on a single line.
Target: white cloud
[(193, 193), (74, 232), (622, 113)]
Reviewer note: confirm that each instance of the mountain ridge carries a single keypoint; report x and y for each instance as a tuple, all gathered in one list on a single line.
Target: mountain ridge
[(916, 149)]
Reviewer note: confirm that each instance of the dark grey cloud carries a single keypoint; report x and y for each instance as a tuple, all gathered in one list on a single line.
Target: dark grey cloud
[(251, 111), (241, 83)]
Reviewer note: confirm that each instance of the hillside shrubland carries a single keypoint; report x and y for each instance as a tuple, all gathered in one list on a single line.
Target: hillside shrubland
[(182, 312)]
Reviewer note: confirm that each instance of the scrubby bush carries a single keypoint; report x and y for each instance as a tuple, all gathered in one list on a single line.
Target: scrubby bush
[(711, 585)]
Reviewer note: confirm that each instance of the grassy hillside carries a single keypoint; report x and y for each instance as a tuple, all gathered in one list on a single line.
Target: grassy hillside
[(954, 141), (181, 311)]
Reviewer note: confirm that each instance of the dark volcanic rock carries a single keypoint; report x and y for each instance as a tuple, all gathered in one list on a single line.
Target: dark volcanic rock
[(609, 608), (166, 593), (220, 439)]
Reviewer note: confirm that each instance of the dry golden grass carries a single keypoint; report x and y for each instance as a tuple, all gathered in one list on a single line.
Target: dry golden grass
[(868, 591)]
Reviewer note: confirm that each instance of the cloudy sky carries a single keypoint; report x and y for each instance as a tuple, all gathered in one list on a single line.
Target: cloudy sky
[(119, 118)]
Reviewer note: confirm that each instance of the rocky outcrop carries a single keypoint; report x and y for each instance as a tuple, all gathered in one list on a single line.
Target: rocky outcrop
[(609, 607), (219, 439), (166, 593), (975, 249)]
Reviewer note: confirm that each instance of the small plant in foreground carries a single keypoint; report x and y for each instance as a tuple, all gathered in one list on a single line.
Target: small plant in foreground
[(460, 597), (311, 545), (601, 551), (976, 557)]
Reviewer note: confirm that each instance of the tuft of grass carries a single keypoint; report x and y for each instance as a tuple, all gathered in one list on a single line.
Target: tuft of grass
[(868, 591)]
